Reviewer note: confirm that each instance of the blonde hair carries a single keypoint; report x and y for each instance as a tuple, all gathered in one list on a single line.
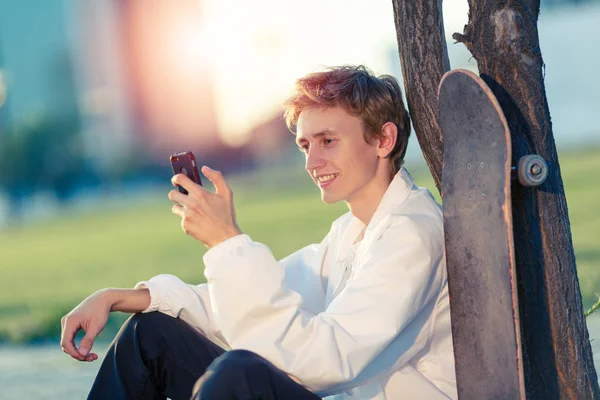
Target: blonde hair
[(375, 100)]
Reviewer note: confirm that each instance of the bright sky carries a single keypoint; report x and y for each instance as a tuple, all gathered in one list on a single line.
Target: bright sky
[(257, 49)]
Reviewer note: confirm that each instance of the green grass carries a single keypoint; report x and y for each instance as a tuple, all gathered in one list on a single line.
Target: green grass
[(580, 176), (47, 268)]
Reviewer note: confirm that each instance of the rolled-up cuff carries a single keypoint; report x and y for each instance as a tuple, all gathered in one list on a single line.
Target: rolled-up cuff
[(155, 295), (226, 248)]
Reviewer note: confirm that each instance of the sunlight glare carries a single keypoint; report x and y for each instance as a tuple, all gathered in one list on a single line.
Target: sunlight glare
[(258, 49)]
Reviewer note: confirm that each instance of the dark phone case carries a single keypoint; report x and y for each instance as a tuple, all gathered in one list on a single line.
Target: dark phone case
[(185, 163)]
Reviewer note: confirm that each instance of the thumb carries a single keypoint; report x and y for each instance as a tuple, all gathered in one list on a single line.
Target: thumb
[(216, 177), (86, 343)]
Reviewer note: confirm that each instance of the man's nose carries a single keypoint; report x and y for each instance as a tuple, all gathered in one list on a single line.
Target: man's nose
[(314, 160)]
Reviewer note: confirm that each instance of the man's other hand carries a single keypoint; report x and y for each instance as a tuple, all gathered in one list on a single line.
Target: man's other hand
[(91, 316)]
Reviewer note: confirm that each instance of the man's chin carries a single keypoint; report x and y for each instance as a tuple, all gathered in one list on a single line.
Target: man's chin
[(329, 198)]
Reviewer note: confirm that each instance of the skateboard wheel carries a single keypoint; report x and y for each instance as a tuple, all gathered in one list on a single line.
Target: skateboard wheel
[(532, 170)]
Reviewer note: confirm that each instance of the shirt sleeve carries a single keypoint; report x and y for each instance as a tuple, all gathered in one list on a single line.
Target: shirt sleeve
[(394, 283), (170, 295)]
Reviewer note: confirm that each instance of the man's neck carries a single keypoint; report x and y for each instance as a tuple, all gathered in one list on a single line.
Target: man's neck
[(364, 204)]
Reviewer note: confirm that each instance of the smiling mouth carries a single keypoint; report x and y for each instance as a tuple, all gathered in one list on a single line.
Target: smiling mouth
[(326, 180)]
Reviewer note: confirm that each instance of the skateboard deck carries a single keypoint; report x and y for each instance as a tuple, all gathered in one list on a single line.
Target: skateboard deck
[(476, 179)]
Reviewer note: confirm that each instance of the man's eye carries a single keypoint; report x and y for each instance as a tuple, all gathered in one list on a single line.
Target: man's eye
[(303, 148), (328, 141)]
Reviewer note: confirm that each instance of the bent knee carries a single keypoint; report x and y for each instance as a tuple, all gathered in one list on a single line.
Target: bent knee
[(146, 329), (235, 357), (148, 322), (233, 369), (238, 362), (151, 319)]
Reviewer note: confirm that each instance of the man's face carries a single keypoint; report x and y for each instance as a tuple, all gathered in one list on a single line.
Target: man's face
[(338, 158)]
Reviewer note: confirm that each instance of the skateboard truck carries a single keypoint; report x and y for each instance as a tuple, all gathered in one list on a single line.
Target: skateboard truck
[(531, 171)]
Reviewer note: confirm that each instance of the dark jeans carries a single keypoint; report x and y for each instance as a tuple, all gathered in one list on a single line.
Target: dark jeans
[(155, 356)]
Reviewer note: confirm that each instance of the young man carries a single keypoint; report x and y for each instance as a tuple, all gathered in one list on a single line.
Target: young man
[(362, 315)]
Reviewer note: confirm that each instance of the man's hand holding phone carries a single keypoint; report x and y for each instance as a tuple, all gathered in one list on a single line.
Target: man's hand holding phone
[(205, 216)]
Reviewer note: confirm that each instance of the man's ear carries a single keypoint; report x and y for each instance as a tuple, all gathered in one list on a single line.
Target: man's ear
[(387, 141)]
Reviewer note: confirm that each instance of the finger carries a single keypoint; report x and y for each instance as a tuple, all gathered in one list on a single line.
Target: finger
[(87, 342), (186, 226), (188, 184), (217, 179), (62, 324), (68, 339), (90, 357), (178, 197), (178, 209)]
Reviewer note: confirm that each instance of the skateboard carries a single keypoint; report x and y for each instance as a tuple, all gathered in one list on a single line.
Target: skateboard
[(476, 185)]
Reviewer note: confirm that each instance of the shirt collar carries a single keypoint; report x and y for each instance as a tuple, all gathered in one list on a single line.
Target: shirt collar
[(394, 195)]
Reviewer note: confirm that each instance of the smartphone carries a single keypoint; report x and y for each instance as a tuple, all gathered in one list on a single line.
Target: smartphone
[(185, 163)]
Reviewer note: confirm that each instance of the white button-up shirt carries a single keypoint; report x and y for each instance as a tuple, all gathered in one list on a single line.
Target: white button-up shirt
[(369, 325)]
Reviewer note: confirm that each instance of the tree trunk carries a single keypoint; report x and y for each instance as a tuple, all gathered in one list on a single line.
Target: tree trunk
[(502, 36), (558, 363), (422, 48)]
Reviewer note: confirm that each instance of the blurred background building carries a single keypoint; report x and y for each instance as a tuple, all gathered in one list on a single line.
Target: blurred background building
[(97, 94)]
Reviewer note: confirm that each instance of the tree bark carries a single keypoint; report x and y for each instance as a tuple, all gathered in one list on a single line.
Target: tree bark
[(502, 36), (558, 362), (424, 59)]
